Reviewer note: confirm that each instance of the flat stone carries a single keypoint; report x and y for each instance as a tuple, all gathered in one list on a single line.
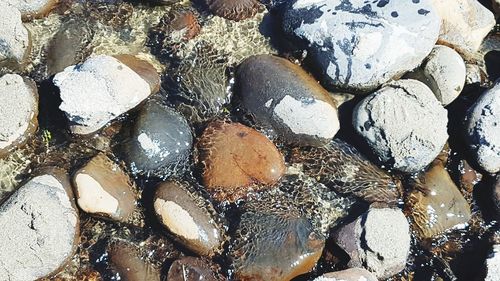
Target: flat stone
[(404, 124), (359, 45), (15, 38), (351, 274), (33, 8), (18, 111), (39, 228)]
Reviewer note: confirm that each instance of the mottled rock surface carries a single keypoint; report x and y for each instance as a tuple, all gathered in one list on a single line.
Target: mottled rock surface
[(33, 7), (351, 274), (404, 124), (14, 37), (360, 45)]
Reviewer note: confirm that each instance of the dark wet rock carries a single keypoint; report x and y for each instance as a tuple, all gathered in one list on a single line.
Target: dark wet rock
[(281, 96), (18, 111), (234, 9), (351, 274), (190, 217), (33, 8), (341, 167), (378, 240), (98, 91), (160, 143), (39, 228), (274, 241), (358, 45), (468, 176), (102, 188), (496, 7), (483, 130), (496, 194), (15, 38), (70, 45), (404, 124), (235, 159), (191, 268), (435, 204), (128, 261)]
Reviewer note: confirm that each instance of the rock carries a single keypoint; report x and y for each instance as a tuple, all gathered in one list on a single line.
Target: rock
[(160, 143), (18, 111), (235, 157), (496, 194), (190, 217), (15, 38), (145, 70), (342, 168), (493, 264), (274, 241), (358, 45), (435, 204), (234, 9), (39, 228), (496, 6), (191, 268), (379, 241), (474, 74), (464, 24), (468, 176), (102, 188), (131, 265), (33, 8), (404, 124), (351, 274), (443, 71), (483, 129), (282, 96), (98, 91)]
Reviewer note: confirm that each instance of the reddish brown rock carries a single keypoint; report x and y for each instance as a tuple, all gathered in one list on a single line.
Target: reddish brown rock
[(191, 268), (184, 24), (234, 9), (144, 69), (234, 157)]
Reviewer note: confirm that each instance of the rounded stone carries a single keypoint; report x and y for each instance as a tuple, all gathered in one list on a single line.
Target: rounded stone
[(351, 274), (234, 9), (18, 111), (190, 217), (359, 45), (160, 143), (281, 96), (191, 268), (127, 260), (33, 8), (235, 157), (404, 124), (39, 228), (15, 38), (483, 130), (102, 188), (378, 240)]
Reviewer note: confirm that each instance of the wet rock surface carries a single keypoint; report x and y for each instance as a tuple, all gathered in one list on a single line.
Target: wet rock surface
[(15, 38), (281, 96), (18, 111), (392, 120), (126, 258), (483, 130), (379, 241), (234, 9), (351, 274), (44, 235), (191, 268), (359, 45), (190, 217), (236, 159)]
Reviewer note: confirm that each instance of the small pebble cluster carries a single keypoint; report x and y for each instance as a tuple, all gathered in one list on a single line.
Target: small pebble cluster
[(352, 140)]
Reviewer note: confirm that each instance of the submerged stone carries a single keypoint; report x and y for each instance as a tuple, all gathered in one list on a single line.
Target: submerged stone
[(191, 268), (234, 9), (126, 258)]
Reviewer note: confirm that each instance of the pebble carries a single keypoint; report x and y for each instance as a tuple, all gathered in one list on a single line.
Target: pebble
[(351, 274), (190, 217), (33, 8), (15, 38), (281, 96), (378, 240), (404, 124), (234, 9), (99, 90), (359, 45), (443, 71), (464, 24), (39, 228), (236, 158), (160, 143), (102, 188), (191, 268), (435, 204), (340, 166), (126, 258), (18, 111), (483, 130)]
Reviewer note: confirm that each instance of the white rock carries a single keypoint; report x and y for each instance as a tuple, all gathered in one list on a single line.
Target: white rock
[(32, 7), (363, 44), (18, 111), (379, 241), (14, 37), (38, 229), (483, 129), (98, 91), (351, 274), (403, 123), (493, 264), (464, 24)]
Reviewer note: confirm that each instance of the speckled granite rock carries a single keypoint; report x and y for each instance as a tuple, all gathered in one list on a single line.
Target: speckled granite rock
[(15, 38)]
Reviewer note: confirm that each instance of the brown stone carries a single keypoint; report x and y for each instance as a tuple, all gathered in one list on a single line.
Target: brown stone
[(234, 9), (127, 260), (191, 268), (185, 22), (144, 69)]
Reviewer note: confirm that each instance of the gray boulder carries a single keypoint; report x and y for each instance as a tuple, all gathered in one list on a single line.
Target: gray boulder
[(14, 37)]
